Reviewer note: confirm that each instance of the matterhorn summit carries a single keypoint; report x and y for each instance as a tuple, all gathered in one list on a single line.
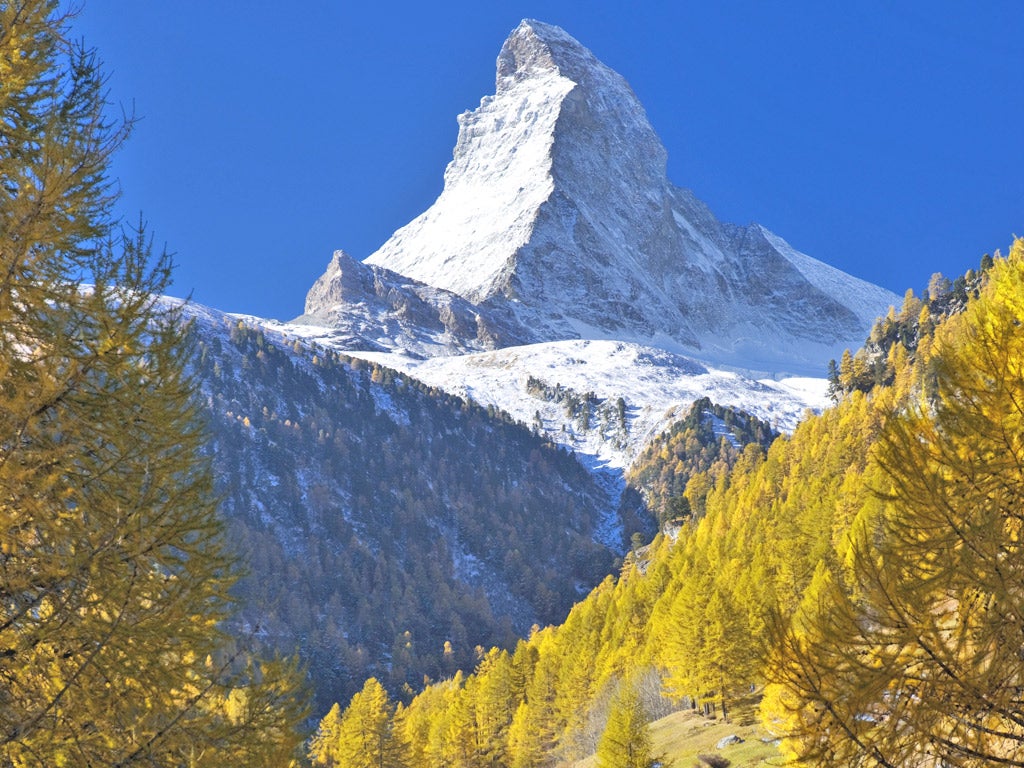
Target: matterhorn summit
[(509, 218), (557, 221)]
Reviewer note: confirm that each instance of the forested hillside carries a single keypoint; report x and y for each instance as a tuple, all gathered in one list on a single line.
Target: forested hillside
[(867, 567), (389, 528), (699, 447), (896, 337), (191, 503)]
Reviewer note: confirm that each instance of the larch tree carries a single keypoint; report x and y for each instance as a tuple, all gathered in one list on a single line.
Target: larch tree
[(323, 745), (113, 575), (495, 706), (626, 741), (361, 736), (913, 654)]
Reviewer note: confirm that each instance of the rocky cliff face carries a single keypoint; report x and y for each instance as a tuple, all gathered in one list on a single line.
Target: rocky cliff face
[(372, 309), (557, 216)]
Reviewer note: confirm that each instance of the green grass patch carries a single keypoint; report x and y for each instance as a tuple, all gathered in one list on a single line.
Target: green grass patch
[(683, 736)]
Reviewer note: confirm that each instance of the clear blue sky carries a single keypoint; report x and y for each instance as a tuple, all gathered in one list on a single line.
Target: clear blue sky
[(886, 138)]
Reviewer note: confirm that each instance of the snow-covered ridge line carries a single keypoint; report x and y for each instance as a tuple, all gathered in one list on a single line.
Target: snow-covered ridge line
[(865, 297), (656, 387)]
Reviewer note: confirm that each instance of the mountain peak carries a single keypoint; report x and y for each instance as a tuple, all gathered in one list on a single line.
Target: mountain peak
[(557, 211), (561, 126), (535, 48)]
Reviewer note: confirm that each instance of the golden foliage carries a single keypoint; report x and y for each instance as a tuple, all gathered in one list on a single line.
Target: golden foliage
[(911, 652), (781, 573), (113, 576)]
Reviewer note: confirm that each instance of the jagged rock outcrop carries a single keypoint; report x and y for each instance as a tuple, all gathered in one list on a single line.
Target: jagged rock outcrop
[(372, 308)]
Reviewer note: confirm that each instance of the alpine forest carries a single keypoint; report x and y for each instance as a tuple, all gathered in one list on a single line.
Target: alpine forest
[(227, 541), (857, 587)]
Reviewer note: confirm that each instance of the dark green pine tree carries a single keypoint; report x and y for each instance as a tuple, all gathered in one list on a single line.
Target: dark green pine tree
[(835, 388)]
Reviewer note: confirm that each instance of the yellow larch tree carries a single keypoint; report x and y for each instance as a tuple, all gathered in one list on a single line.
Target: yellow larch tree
[(113, 573), (360, 737), (911, 655)]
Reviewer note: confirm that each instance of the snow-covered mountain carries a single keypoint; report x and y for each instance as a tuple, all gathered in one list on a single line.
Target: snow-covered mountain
[(433, 457), (557, 221)]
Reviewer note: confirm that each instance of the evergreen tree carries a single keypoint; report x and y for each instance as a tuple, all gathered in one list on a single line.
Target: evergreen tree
[(626, 741), (913, 656), (835, 388), (526, 745), (323, 746), (362, 736), (495, 706), (113, 574)]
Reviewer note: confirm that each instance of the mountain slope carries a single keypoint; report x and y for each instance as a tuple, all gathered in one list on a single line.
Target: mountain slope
[(433, 459), (381, 518), (656, 387), (786, 548)]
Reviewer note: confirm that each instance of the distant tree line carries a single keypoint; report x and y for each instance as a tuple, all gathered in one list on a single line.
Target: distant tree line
[(895, 338)]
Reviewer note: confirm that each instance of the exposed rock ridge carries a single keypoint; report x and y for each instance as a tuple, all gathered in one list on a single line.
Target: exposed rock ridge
[(372, 308)]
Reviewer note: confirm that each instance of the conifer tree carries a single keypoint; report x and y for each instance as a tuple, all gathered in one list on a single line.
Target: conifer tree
[(526, 746), (322, 746), (835, 388), (914, 656), (495, 705), (113, 574), (362, 737), (457, 734), (626, 741)]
